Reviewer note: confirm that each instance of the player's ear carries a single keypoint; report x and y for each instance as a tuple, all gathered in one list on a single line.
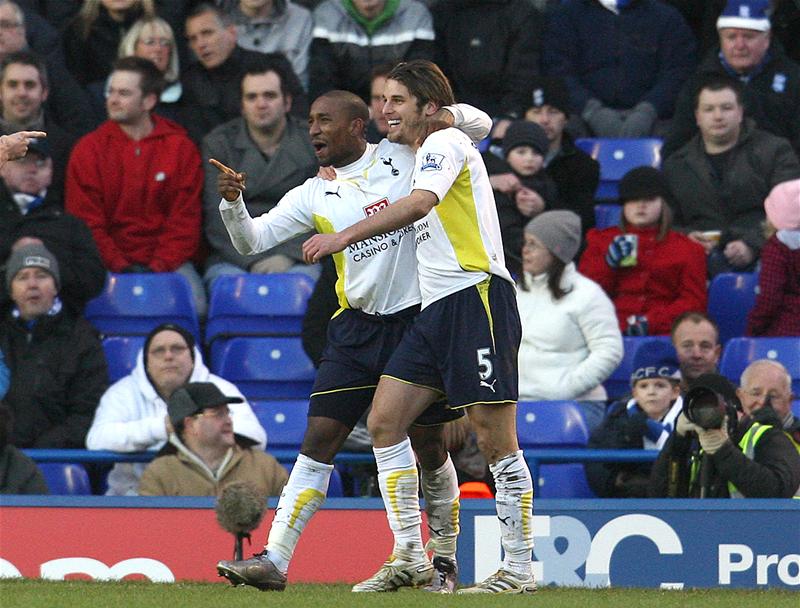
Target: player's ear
[(430, 108), (357, 127)]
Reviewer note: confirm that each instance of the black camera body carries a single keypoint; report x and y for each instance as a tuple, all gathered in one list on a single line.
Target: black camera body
[(707, 408)]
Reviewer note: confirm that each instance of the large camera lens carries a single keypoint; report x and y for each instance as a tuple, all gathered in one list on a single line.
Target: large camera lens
[(705, 408)]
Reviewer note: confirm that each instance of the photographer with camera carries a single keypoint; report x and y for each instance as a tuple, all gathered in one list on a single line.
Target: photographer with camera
[(717, 451)]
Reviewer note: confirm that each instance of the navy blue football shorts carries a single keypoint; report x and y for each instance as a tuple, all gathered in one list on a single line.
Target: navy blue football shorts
[(464, 345), (359, 346)]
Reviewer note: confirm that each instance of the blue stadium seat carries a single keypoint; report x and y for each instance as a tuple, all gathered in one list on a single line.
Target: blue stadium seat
[(563, 481), (731, 295), (285, 421), (554, 424), (617, 157), (257, 305), (65, 478), (266, 367), (740, 352), (335, 485), (121, 352), (133, 304), (619, 383), (607, 215), (796, 408)]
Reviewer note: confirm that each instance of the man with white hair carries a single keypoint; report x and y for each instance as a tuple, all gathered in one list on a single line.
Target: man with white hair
[(770, 79), (767, 380)]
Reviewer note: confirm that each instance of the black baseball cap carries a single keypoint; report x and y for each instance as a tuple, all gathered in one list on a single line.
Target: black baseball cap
[(193, 398)]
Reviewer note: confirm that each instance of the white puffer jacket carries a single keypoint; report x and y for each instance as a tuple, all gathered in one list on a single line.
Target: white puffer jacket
[(570, 346), (130, 418)]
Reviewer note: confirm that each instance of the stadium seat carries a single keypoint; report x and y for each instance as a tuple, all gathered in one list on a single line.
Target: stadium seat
[(796, 408), (553, 424), (617, 157), (257, 305), (285, 421), (619, 383), (607, 215), (133, 304), (121, 352), (731, 295), (740, 352), (266, 367), (65, 478), (563, 481)]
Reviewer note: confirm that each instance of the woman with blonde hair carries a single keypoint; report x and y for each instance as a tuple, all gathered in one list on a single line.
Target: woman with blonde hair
[(92, 37), (152, 38)]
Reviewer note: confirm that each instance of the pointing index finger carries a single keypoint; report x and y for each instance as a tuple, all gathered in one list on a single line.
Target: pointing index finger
[(222, 167)]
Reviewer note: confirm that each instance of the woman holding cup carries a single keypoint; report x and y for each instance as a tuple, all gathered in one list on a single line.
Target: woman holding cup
[(651, 272)]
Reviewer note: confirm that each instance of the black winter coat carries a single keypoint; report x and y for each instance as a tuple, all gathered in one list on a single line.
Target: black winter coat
[(58, 374), (490, 51), (774, 471), (66, 236)]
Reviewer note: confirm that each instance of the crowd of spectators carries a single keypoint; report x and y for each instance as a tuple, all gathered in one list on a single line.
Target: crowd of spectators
[(137, 95)]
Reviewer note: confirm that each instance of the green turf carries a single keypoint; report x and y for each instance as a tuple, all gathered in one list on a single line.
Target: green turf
[(135, 594)]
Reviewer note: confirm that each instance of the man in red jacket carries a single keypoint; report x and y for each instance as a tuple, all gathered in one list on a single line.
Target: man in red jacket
[(136, 181)]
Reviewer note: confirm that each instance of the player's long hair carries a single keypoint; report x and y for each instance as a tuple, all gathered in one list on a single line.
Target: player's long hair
[(425, 81)]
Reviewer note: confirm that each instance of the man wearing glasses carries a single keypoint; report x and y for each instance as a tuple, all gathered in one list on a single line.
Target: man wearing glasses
[(202, 455)]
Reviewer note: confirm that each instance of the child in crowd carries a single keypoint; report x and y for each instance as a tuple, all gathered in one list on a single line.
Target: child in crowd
[(522, 189), (777, 308), (651, 272), (643, 422)]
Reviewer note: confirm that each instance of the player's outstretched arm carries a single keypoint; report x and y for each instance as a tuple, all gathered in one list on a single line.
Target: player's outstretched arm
[(402, 213)]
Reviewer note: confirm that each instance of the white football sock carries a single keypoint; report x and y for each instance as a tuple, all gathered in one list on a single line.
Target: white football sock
[(440, 489), (399, 483), (514, 503), (301, 497)]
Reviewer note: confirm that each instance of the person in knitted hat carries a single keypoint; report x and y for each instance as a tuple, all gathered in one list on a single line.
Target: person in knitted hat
[(775, 312), (575, 173), (570, 339), (747, 45), (522, 188), (34, 256), (644, 421), (651, 272), (58, 368)]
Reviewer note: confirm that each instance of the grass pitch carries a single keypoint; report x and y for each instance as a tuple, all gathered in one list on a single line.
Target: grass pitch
[(141, 594)]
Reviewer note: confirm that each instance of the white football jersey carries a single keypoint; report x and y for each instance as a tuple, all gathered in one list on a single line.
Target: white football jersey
[(458, 242), (376, 275)]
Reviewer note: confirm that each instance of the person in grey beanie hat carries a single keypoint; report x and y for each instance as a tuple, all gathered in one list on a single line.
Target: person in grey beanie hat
[(29, 256), (570, 339), (559, 231)]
